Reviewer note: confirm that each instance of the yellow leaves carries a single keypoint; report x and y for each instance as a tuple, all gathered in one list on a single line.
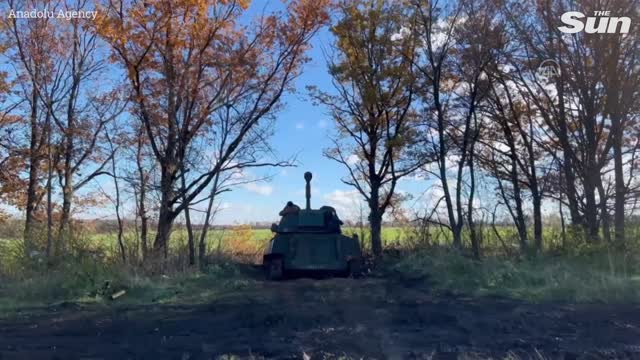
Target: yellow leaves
[(244, 4), (111, 28)]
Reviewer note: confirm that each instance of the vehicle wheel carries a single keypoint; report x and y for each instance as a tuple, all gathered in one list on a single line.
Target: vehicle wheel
[(274, 269), (355, 268)]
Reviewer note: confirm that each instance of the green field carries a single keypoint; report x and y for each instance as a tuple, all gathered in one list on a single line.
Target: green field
[(241, 238)]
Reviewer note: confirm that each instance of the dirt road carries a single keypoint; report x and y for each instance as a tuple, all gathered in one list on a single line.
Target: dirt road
[(328, 319)]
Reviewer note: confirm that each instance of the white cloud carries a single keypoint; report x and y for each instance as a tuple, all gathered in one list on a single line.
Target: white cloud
[(323, 124), (353, 159), (452, 165), (299, 125), (264, 190), (404, 31), (347, 203)]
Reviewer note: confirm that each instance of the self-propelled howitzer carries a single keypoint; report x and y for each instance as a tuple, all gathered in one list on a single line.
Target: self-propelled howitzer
[(311, 240)]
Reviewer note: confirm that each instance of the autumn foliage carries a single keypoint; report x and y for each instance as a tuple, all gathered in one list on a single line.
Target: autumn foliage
[(189, 63)]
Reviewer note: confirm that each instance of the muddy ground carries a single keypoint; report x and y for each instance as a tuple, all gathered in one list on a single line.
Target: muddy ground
[(379, 318)]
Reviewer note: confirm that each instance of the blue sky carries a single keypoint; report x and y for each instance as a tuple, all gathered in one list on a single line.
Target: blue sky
[(302, 129)]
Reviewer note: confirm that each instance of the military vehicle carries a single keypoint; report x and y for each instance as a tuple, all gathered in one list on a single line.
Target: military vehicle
[(310, 240)]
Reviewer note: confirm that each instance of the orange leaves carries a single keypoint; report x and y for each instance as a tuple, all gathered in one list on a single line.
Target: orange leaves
[(244, 4), (192, 62), (12, 186), (307, 12), (110, 28), (304, 15)]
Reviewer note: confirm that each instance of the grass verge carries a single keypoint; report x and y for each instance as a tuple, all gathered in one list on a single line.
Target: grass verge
[(87, 282), (596, 277)]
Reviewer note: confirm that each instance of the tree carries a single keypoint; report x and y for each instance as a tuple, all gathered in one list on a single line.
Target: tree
[(458, 41), (515, 141), (578, 106), (117, 202), (187, 61), (30, 47), (82, 120), (617, 59), (10, 157), (10, 126), (140, 180), (66, 109), (372, 107)]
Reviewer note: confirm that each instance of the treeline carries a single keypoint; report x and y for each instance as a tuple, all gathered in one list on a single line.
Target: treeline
[(164, 101), (493, 104), (500, 113)]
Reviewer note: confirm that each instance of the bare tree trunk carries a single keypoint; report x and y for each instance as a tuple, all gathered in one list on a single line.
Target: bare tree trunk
[(202, 243), (537, 218), (64, 233), (69, 146), (166, 214), (517, 197), (517, 215), (142, 211), (49, 195), (165, 224), (117, 202), (562, 227), (375, 221), (618, 86), (361, 226), (513, 173), (144, 226), (375, 217), (475, 242), (591, 206), (604, 213), (568, 168), (34, 165), (621, 189), (187, 217), (136, 216), (536, 192), (442, 162)]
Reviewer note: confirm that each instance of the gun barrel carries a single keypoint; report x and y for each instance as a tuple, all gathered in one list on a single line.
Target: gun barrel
[(307, 178)]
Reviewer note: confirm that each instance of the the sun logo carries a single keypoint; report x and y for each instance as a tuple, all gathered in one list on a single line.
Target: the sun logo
[(605, 23)]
